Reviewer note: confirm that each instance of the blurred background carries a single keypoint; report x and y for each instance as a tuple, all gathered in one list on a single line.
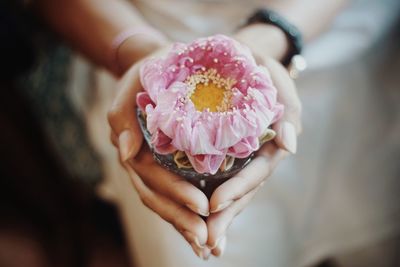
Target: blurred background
[(65, 201), (50, 213)]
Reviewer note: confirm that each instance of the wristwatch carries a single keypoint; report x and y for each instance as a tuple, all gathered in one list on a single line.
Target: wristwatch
[(293, 60)]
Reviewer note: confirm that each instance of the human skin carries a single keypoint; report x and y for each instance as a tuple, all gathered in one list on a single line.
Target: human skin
[(175, 199), (172, 197)]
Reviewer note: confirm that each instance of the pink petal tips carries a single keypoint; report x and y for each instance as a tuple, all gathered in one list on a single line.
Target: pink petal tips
[(208, 99)]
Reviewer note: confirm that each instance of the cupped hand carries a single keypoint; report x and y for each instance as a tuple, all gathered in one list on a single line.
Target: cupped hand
[(230, 198), (170, 196), (176, 200)]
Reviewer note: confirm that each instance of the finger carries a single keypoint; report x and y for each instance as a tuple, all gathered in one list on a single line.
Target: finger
[(218, 223), (290, 124), (168, 184), (114, 139), (191, 226), (248, 178), (122, 115), (203, 253), (219, 250)]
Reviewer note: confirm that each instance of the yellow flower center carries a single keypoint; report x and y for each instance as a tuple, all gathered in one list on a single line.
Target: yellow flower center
[(209, 91), (207, 97)]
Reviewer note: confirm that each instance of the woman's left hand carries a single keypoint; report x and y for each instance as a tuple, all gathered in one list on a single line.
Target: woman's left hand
[(230, 198)]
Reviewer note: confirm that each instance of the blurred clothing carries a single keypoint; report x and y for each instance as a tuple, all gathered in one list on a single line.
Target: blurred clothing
[(340, 193), (49, 212), (48, 218), (42, 69), (382, 253), (49, 87)]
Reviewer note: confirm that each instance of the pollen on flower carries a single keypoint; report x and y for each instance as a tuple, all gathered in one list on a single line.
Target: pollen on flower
[(209, 91)]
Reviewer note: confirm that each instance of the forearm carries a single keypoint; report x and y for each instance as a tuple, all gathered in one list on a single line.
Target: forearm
[(90, 26), (311, 17)]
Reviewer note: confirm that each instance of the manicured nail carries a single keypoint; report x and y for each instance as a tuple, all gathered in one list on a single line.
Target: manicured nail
[(196, 250), (205, 254), (289, 137), (219, 239), (197, 210), (193, 239), (220, 249), (222, 206), (125, 144)]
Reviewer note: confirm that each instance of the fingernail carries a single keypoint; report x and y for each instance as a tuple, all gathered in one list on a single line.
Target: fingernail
[(197, 210), (196, 250), (222, 206), (220, 249), (125, 144), (219, 239), (205, 254), (289, 137), (193, 239)]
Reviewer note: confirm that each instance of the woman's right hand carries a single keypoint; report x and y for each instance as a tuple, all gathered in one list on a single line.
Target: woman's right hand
[(170, 196)]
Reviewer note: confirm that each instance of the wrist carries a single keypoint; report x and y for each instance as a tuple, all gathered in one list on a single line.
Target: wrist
[(133, 44), (264, 40), (134, 49)]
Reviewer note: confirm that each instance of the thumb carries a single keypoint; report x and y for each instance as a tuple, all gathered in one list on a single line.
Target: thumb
[(122, 115), (289, 126)]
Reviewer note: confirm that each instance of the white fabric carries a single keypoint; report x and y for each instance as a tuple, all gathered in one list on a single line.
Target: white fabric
[(340, 192)]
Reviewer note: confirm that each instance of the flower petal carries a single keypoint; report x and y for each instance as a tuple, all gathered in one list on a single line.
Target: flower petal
[(206, 163), (226, 134), (200, 142), (143, 99), (182, 135), (162, 143), (244, 148)]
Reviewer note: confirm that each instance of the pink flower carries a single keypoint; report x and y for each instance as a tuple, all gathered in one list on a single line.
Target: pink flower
[(209, 99)]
